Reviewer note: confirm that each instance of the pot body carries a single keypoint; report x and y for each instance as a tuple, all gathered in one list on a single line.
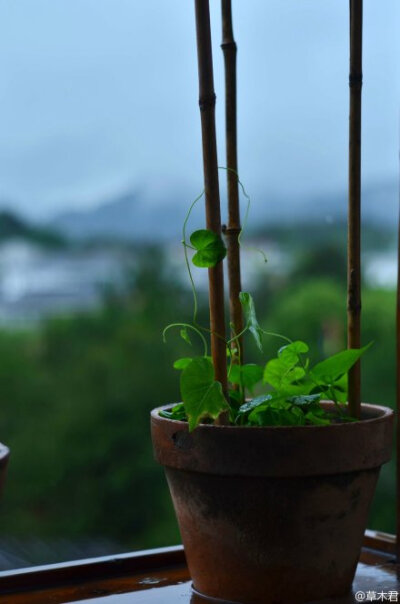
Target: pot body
[(273, 515), (4, 455)]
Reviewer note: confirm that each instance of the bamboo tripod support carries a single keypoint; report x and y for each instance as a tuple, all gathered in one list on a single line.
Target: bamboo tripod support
[(232, 231), (211, 186), (354, 211)]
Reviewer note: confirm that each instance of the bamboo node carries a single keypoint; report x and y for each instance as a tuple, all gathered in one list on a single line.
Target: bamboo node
[(230, 231), (231, 45), (356, 80), (207, 101)]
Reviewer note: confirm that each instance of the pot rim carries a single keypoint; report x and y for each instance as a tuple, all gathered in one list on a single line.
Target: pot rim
[(385, 412), (275, 450)]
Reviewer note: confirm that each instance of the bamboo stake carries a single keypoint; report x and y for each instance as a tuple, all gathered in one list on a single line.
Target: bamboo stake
[(354, 212), (211, 186), (398, 400), (232, 231)]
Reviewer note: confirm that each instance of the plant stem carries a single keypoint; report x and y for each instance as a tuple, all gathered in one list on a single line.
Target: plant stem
[(187, 326), (185, 247), (354, 211), (211, 186), (232, 231)]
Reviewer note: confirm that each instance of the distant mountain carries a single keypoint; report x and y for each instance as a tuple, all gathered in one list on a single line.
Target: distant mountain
[(130, 217), (134, 217), (15, 227), (380, 206)]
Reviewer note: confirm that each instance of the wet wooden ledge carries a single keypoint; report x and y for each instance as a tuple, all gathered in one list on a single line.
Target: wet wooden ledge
[(161, 577)]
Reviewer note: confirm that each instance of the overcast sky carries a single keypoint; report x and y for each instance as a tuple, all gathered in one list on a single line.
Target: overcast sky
[(97, 96)]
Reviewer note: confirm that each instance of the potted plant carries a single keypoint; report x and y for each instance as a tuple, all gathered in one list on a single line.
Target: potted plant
[(271, 492)]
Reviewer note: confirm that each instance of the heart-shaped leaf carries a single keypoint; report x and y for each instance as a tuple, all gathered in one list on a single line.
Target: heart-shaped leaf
[(201, 394), (210, 248), (283, 371), (281, 376), (291, 351)]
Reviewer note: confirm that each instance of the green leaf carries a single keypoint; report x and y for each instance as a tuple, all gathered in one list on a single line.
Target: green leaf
[(305, 400), (332, 368), (185, 336), (291, 352), (299, 415), (182, 363), (253, 404), (234, 375), (339, 389), (279, 415), (252, 374), (201, 394), (277, 410), (281, 376), (283, 371), (235, 398), (247, 375), (264, 403), (317, 420), (177, 412), (249, 311), (210, 248)]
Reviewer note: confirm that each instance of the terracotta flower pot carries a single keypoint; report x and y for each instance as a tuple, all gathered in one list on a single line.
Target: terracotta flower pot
[(4, 455), (275, 514)]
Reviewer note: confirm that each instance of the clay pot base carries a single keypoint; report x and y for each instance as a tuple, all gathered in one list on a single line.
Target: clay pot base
[(200, 598)]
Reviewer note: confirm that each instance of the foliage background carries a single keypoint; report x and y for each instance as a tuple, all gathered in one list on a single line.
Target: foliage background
[(77, 390)]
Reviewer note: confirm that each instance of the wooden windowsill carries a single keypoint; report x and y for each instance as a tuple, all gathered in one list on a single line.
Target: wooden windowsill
[(161, 577)]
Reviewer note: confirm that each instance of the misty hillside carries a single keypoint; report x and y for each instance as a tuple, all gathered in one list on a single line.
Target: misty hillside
[(133, 217), (127, 217), (13, 226)]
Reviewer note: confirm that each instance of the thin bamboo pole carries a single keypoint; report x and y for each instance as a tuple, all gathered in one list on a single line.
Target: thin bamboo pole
[(398, 399), (354, 212), (232, 231), (211, 185)]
